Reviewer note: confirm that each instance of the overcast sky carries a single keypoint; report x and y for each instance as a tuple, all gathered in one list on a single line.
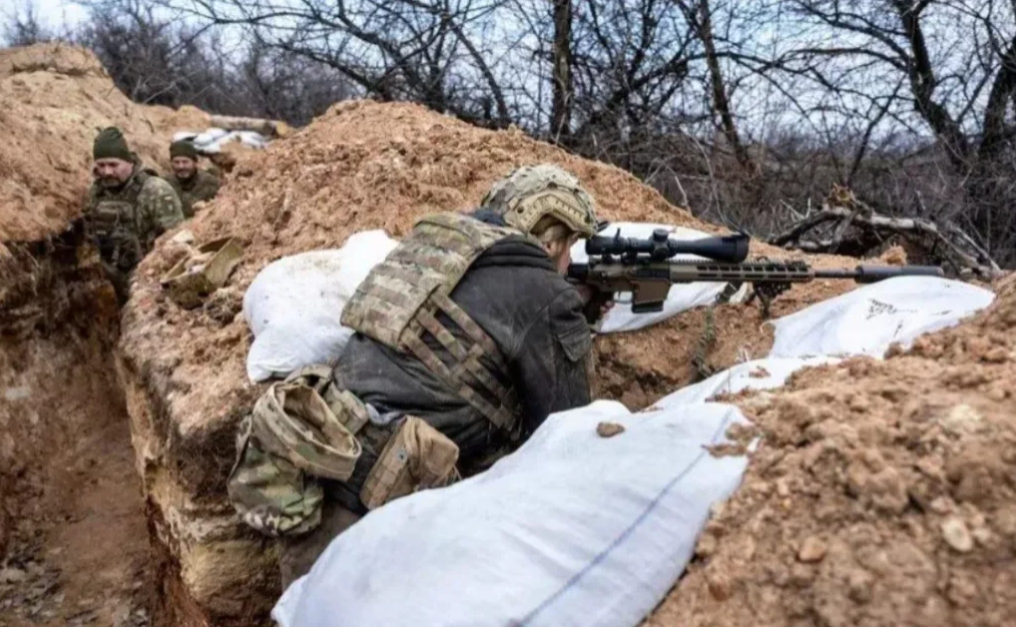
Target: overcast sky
[(54, 13)]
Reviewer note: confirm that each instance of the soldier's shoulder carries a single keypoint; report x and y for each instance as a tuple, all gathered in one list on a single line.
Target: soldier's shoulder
[(157, 186)]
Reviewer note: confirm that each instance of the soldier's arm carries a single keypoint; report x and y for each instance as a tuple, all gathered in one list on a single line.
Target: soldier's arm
[(549, 368), (159, 207)]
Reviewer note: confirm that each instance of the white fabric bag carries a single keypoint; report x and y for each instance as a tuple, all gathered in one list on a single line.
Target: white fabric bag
[(294, 305), (867, 320), (571, 530)]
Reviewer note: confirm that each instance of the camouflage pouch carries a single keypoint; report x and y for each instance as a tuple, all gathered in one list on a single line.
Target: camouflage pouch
[(269, 493), (293, 422), (416, 457), (349, 410), (291, 437)]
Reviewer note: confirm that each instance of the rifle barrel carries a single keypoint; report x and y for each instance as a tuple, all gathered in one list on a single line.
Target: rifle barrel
[(873, 274)]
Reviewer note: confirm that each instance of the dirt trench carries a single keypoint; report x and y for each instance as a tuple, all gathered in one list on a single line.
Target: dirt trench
[(74, 547)]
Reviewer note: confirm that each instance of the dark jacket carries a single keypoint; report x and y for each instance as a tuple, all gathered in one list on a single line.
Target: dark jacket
[(533, 315)]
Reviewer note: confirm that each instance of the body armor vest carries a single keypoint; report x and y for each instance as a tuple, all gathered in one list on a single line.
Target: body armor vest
[(114, 222), (400, 301)]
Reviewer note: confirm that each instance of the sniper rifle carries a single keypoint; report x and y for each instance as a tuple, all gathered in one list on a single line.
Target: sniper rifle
[(646, 269)]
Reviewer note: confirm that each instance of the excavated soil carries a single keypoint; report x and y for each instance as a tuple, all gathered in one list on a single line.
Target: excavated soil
[(365, 166), (883, 494), (73, 541), (74, 548)]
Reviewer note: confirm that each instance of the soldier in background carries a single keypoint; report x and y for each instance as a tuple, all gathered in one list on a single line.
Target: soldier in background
[(190, 183), (127, 207)]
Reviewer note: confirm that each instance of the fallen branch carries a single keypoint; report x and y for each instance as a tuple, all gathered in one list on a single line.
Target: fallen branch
[(857, 228)]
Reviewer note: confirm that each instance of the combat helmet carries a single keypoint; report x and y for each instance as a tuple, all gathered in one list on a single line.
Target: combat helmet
[(531, 192)]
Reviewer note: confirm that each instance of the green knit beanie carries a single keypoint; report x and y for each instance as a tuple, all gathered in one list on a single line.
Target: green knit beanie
[(110, 144), (183, 148)]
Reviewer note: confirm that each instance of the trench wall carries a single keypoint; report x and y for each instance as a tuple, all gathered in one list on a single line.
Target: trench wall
[(58, 320)]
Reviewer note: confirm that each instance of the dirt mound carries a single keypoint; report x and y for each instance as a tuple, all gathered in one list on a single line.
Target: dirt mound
[(883, 493), (53, 100)]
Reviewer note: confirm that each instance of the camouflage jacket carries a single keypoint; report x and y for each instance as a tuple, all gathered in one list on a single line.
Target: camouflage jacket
[(533, 315), (203, 186), (125, 221)]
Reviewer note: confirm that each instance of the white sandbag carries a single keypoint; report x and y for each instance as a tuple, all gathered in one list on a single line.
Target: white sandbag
[(247, 138), (867, 320), (758, 374), (680, 298), (571, 530), (293, 306), (209, 136), (212, 140)]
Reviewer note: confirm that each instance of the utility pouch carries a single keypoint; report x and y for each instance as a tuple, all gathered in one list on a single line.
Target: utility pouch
[(416, 457), (269, 493)]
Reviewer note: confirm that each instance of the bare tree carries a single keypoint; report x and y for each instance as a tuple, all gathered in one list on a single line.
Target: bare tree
[(748, 111), (429, 51), (560, 119), (958, 59), (23, 27)]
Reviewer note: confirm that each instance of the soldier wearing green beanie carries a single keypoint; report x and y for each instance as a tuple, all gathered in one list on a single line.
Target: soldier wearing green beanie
[(127, 207), (110, 144), (189, 182)]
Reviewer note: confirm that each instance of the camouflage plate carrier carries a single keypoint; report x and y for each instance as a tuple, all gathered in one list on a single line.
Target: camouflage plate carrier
[(306, 428), (400, 300), (118, 221)]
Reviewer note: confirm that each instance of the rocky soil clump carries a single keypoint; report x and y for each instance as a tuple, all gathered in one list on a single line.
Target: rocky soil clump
[(883, 494)]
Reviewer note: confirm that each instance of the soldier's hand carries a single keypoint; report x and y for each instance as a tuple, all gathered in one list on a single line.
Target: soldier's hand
[(596, 303)]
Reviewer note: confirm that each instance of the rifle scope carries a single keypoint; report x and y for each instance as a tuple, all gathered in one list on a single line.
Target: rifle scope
[(728, 248)]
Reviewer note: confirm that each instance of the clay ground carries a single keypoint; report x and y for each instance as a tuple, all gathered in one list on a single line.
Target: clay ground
[(77, 546), (79, 551)]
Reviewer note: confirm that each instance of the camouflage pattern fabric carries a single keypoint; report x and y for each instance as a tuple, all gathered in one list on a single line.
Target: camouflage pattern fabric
[(401, 299), (433, 258), (269, 493), (291, 439), (293, 422), (201, 187), (531, 192), (350, 410), (125, 221)]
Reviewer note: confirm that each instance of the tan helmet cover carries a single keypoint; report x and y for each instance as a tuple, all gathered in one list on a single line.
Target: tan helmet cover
[(531, 192)]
